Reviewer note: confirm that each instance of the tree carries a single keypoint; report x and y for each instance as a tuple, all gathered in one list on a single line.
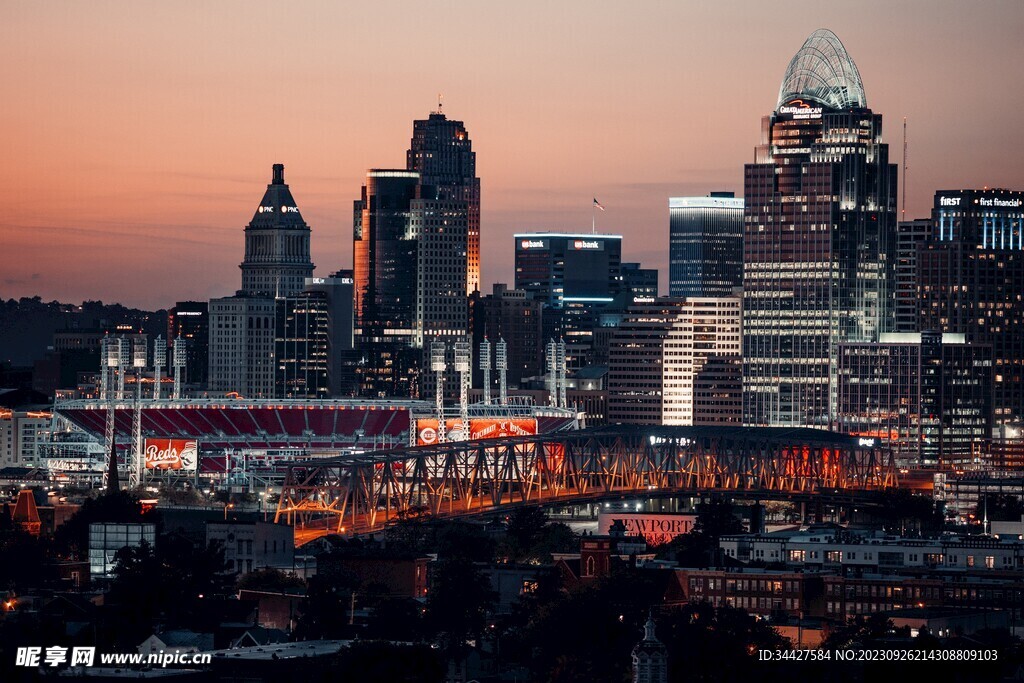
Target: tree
[(327, 607), (72, 538), (166, 584), (270, 580), (457, 605)]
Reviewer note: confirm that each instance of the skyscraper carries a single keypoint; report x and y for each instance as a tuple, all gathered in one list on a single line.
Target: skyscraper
[(277, 260), (409, 267), (705, 256), (442, 153), (819, 223), (676, 362), (190, 321), (910, 235), (242, 331), (302, 346), (927, 396), (970, 279)]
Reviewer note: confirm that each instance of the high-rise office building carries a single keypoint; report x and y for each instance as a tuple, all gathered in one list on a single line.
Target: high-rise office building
[(442, 153), (562, 268), (338, 288), (910, 235), (819, 223), (302, 346), (277, 259), (513, 316), (705, 256), (665, 353), (242, 336), (970, 279), (410, 261), (927, 396), (576, 276), (190, 321), (639, 284)]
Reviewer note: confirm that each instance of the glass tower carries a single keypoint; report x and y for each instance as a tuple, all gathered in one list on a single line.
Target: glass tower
[(442, 153), (819, 221), (705, 245)]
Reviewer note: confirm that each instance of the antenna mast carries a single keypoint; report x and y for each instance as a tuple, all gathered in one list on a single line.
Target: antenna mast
[(903, 208)]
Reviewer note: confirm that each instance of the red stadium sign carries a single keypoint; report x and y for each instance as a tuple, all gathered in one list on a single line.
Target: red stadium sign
[(171, 454), (479, 428)]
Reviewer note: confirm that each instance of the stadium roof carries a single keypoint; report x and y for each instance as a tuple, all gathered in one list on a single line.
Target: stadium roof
[(823, 71)]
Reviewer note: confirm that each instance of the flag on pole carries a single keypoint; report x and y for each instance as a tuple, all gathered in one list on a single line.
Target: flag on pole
[(598, 204)]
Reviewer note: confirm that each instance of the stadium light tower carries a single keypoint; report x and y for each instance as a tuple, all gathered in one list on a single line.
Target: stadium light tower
[(135, 472), (437, 366), (550, 382), (501, 364), (111, 364), (463, 365), (179, 364), (560, 379), (159, 361), (485, 365)]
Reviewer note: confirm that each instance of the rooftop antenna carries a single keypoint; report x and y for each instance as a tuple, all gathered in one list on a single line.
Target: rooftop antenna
[(903, 207), (440, 103)]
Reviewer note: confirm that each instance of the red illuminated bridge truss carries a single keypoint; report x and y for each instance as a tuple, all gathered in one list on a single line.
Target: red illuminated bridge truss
[(363, 493)]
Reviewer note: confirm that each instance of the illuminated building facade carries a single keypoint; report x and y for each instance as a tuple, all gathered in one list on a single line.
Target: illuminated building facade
[(971, 281), (564, 268), (819, 222), (242, 336), (927, 395), (190, 320), (409, 272), (277, 260), (705, 245), (910, 235), (576, 276), (665, 353), (339, 290), (302, 346), (442, 153)]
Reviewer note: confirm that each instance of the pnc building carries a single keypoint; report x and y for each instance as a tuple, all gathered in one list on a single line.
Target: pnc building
[(277, 260), (819, 224)]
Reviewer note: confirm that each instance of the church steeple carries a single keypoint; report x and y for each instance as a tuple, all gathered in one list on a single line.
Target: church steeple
[(650, 656)]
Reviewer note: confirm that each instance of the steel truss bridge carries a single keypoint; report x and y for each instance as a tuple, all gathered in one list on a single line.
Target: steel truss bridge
[(364, 493)]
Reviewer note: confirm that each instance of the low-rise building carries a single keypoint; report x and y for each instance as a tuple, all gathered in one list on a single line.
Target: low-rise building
[(253, 545)]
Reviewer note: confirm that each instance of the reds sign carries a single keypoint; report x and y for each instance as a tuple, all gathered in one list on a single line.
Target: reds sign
[(479, 428), (171, 454)]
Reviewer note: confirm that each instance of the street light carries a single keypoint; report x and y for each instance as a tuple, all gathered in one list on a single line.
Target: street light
[(226, 506)]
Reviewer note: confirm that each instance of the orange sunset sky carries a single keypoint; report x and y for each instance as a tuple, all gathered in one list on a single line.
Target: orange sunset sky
[(137, 138)]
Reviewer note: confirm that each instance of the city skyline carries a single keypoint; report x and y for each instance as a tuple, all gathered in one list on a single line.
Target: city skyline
[(142, 161)]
